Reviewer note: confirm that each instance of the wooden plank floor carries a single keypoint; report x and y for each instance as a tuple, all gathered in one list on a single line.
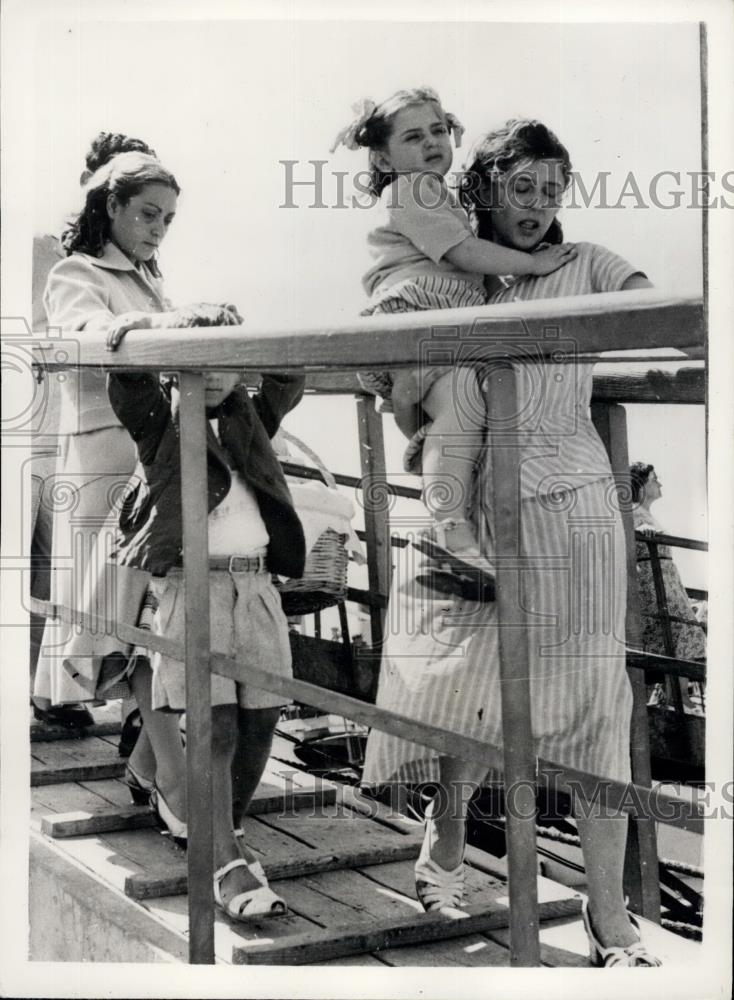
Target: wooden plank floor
[(332, 822)]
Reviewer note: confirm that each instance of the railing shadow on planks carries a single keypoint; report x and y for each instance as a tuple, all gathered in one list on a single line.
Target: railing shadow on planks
[(594, 328)]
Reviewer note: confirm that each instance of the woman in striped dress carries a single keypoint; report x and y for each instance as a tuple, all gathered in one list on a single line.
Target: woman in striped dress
[(441, 659)]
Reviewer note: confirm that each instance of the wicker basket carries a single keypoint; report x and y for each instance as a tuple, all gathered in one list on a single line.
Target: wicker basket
[(324, 580)]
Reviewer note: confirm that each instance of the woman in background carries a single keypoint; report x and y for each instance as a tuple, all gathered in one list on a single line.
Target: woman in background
[(688, 634)]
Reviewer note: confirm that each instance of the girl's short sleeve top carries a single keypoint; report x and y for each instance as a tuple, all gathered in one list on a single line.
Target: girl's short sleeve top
[(422, 221)]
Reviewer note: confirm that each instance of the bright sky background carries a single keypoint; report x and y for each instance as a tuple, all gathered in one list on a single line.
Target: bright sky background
[(224, 102)]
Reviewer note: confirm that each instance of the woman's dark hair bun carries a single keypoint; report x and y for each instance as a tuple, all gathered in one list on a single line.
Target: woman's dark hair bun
[(639, 475), (108, 144)]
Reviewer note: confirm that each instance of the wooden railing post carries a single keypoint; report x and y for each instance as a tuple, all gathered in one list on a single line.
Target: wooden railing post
[(198, 685), (376, 514), (641, 861), (518, 749)]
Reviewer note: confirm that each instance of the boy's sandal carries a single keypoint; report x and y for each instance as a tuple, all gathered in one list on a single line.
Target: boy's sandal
[(259, 902)]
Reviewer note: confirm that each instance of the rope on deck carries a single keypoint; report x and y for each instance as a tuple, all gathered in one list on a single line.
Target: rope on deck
[(682, 928)]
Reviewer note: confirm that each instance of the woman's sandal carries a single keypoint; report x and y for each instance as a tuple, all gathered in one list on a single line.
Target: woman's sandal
[(635, 954), (260, 902), (436, 887), (176, 827), (141, 788)]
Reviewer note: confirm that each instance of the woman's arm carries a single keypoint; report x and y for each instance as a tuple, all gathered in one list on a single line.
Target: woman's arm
[(128, 321), (77, 298), (200, 314), (636, 281)]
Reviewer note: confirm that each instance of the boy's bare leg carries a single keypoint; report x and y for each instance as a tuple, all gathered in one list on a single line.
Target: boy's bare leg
[(256, 727), (241, 740)]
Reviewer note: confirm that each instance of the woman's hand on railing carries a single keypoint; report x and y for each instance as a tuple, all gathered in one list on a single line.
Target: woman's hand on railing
[(198, 314), (125, 322), (204, 314), (647, 530)]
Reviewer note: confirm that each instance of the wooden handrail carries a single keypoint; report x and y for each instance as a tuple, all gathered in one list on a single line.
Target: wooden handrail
[(548, 329), (675, 541)]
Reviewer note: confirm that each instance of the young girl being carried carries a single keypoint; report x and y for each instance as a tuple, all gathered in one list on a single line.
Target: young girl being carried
[(426, 256)]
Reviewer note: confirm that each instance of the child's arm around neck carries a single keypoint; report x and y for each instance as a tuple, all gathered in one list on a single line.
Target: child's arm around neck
[(485, 257)]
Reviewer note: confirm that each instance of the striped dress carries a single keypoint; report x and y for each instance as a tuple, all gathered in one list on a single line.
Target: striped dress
[(441, 654)]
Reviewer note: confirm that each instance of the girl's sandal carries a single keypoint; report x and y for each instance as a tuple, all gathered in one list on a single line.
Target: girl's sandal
[(463, 561), (259, 902), (635, 954)]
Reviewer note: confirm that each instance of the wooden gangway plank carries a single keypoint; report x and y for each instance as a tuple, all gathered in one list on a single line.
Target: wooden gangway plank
[(267, 799), (326, 884), (293, 864), (74, 760), (363, 937), (366, 900)]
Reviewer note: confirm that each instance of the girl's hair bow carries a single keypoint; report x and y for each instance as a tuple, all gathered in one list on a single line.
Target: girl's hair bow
[(455, 127), (363, 111)]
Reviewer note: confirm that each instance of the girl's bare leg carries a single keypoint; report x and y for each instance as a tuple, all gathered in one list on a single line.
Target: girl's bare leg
[(165, 739), (452, 446)]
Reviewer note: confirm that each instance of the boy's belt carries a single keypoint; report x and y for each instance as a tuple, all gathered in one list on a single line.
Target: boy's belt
[(240, 564)]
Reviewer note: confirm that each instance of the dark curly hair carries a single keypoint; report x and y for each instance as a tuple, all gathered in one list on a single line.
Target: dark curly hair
[(519, 140), (123, 175), (376, 131), (639, 475), (105, 145)]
